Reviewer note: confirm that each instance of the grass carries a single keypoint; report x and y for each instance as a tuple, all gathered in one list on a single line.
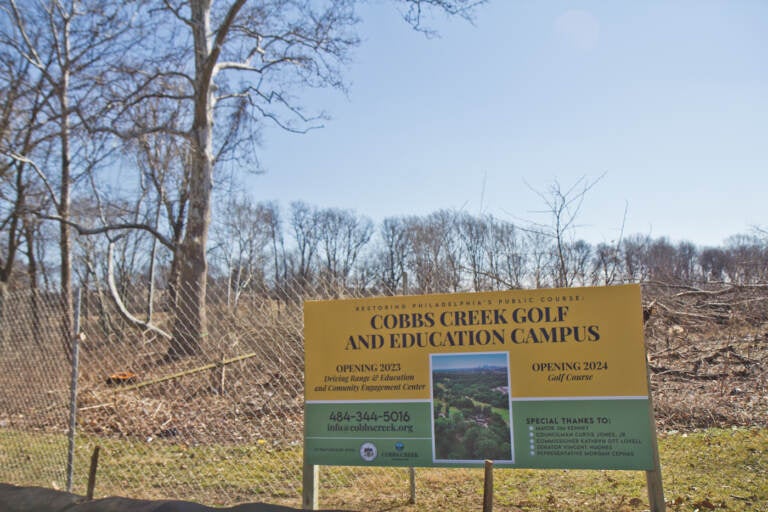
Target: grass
[(713, 469)]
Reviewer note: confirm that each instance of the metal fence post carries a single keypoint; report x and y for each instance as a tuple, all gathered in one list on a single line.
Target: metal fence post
[(311, 484), (73, 394)]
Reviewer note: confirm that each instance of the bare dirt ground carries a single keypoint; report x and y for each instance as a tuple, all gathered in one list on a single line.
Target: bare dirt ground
[(708, 355)]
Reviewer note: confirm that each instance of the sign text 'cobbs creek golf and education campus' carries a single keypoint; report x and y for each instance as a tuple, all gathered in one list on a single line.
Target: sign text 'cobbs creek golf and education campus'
[(549, 378)]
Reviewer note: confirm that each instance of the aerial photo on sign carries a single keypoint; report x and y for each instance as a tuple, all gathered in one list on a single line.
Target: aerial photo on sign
[(471, 407)]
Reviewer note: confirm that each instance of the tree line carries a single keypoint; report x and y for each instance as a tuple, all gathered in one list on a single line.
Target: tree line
[(260, 247)]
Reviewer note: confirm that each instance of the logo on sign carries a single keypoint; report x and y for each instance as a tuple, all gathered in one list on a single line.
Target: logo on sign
[(368, 452)]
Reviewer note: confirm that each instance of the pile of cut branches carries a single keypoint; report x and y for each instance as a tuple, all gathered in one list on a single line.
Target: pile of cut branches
[(708, 354)]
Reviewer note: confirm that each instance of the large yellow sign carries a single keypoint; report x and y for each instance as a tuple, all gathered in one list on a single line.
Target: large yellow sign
[(533, 362)]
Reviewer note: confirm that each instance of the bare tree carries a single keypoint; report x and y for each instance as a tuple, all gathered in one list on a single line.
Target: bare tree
[(394, 253), (237, 63), (747, 256), (660, 260), (563, 207), (161, 159), (273, 223), (63, 42), (713, 262), (685, 266), (305, 230), (435, 258), (343, 235), (540, 251), (579, 256), (507, 258), (474, 235), (606, 263), (20, 197), (242, 240)]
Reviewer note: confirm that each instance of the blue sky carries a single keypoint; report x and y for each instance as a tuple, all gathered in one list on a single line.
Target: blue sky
[(468, 360), (667, 100)]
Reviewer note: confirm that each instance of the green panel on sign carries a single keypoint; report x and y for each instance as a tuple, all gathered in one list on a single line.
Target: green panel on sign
[(372, 452), (365, 433), (588, 434), (368, 419), (567, 434)]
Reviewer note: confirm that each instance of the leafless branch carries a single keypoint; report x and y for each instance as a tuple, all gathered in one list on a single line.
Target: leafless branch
[(82, 230), (39, 172), (118, 301)]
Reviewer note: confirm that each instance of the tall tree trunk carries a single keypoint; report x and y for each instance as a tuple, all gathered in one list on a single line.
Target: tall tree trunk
[(191, 323), (29, 235)]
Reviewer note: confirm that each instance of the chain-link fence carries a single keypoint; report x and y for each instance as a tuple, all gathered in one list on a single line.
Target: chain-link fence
[(220, 426), (34, 390), (223, 423)]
